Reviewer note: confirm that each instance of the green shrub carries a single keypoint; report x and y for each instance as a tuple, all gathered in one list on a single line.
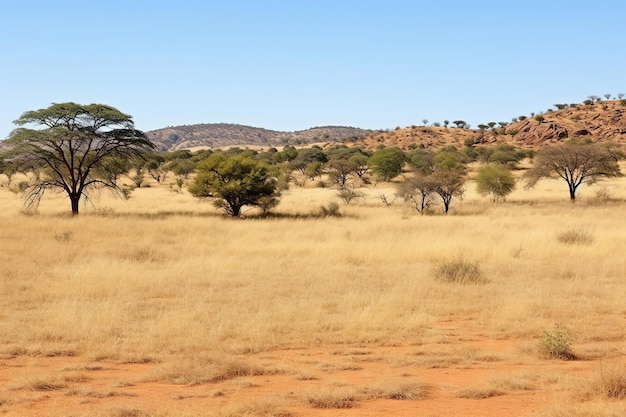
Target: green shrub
[(331, 211), (556, 344)]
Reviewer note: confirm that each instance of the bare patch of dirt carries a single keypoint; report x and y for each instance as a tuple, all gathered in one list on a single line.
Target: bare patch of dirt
[(461, 374)]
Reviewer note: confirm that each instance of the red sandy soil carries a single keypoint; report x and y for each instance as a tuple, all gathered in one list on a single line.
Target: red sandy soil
[(120, 389)]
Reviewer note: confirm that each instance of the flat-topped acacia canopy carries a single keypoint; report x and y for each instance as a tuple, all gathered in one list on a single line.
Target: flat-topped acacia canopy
[(74, 148)]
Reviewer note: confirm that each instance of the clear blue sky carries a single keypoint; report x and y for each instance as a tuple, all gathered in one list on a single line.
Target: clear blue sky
[(291, 65)]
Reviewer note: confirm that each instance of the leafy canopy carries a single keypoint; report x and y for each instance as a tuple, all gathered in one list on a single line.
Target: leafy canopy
[(236, 181), (496, 180), (575, 163), (387, 163), (73, 148)]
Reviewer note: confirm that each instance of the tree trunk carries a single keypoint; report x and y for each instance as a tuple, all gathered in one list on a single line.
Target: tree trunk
[(572, 193), (446, 206), (75, 200)]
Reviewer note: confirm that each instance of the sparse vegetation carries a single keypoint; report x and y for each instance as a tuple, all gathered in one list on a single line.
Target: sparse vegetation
[(375, 294), (556, 344), (459, 270)]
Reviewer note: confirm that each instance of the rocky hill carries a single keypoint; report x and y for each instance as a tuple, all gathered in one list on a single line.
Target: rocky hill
[(598, 121), (222, 135), (595, 120)]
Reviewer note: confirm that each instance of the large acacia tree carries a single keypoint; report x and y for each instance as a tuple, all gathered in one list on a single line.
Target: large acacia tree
[(72, 147), (575, 163)]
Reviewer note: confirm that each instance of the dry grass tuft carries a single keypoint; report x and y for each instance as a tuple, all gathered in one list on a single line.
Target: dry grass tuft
[(130, 412), (459, 271), (514, 382), (585, 410), (208, 369), (333, 398), (575, 237), (479, 393), (269, 408), (404, 391), (609, 383), (44, 383)]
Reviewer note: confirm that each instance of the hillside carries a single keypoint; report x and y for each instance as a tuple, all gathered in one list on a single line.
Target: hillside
[(600, 121), (221, 135)]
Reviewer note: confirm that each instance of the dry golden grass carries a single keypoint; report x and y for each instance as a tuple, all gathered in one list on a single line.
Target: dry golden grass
[(165, 279)]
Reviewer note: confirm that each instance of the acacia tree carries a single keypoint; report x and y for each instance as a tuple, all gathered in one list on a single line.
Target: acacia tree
[(575, 163), (340, 170), (448, 183), (73, 147), (236, 181), (441, 173), (417, 189)]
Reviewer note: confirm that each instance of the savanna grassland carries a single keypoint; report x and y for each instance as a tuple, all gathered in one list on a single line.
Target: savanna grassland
[(160, 306)]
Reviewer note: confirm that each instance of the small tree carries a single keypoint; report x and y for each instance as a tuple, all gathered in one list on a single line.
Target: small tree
[(496, 180), (157, 167), (10, 169), (448, 183), (387, 163), (314, 169), (418, 190), (340, 170), (575, 163), (236, 181), (360, 162), (73, 148)]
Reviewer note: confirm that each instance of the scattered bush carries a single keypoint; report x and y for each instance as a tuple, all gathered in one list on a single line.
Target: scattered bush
[(604, 194), (556, 344), (348, 195), (331, 211), (575, 237), (459, 271)]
